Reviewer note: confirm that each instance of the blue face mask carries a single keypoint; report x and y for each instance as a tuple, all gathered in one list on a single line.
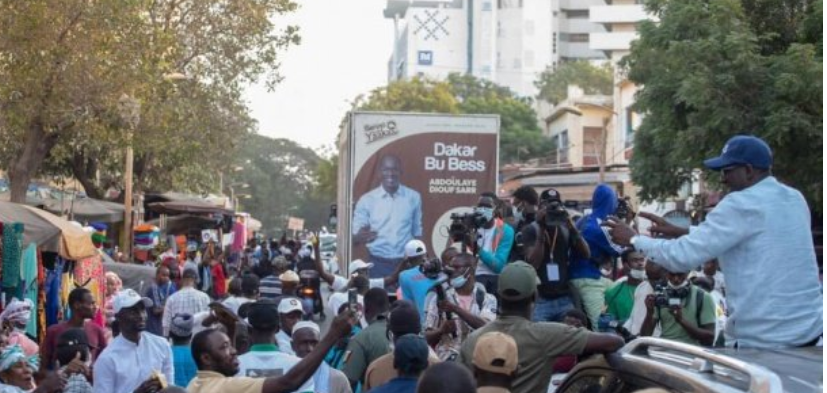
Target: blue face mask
[(487, 212), (459, 282)]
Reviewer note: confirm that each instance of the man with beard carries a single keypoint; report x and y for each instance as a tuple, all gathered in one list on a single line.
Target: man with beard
[(386, 218), (136, 360), (218, 363)]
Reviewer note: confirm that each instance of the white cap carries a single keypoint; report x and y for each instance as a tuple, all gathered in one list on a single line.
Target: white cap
[(357, 265), (289, 276), (415, 248), (288, 305), (306, 325), (127, 298)]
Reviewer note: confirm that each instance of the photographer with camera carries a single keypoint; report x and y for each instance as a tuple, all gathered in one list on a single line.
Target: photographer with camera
[(549, 242), (492, 244), (685, 312), (453, 313), (524, 202)]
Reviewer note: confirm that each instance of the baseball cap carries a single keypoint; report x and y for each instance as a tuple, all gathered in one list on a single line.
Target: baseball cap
[(742, 150), (127, 298), (410, 353), (289, 276), (286, 306), (263, 314), (496, 352), (415, 248), (550, 195), (358, 265), (518, 281)]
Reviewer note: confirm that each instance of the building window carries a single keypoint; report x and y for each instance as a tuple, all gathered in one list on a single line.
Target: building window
[(592, 141), (486, 6), (561, 140), (577, 37), (518, 63), (554, 42), (577, 14)]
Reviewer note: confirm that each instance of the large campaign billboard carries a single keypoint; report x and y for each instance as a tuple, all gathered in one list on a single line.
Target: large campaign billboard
[(405, 173)]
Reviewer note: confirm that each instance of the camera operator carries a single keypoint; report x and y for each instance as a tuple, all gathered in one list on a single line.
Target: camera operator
[(524, 207), (493, 243), (466, 307), (685, 312), (549, 242), (420, 276)]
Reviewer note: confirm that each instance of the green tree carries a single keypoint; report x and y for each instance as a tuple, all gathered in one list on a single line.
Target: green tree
[(66, 63), (706, 75), (553, 82), (520, 136)]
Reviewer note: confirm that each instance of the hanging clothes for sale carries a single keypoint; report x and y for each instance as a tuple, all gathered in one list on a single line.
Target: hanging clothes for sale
[(53, 286), (29, 288), (89, 274), (12, 254)]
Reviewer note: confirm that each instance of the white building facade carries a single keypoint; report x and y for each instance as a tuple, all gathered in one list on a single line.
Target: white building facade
[(509, 42)]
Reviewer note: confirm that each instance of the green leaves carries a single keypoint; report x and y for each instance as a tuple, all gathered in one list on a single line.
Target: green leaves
[(520, 137), (553, 83), (710, 70)]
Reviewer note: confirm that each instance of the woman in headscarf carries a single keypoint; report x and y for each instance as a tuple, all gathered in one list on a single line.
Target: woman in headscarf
[(14, 320), (16, 370)]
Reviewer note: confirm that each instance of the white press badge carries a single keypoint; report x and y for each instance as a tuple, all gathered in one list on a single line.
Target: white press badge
[(552, 271)]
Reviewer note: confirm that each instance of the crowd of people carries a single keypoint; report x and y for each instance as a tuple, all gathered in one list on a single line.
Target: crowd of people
[(527, 293)]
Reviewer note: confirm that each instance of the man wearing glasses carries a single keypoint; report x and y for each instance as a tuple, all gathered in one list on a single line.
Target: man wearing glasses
[(760, 233)]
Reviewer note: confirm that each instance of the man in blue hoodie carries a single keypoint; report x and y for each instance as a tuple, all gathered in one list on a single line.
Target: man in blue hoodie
[(585, 271)]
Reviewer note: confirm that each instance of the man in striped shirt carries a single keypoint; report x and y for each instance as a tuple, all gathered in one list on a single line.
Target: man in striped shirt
[(270, 285), (187, 300)]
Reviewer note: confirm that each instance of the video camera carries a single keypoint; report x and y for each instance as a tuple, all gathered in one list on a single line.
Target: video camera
[(556, 214), (670, 297), (623, 208), (463, 224), (432, 268)]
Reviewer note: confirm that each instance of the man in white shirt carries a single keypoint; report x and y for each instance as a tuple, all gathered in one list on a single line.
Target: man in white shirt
[(135, 361), (290, 313), (326, 379), (760, 233), (265, 358), (187, 300), (249, 293)]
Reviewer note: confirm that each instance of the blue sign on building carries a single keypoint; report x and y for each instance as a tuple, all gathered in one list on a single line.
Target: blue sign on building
[(425, 57)]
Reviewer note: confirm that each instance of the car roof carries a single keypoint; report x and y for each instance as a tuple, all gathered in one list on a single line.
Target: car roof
[(799, 368)]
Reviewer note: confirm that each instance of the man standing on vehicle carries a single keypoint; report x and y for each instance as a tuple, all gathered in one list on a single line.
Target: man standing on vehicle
[(549, 243), (685, 312), (386, 218), (538, 343), (760, 233)]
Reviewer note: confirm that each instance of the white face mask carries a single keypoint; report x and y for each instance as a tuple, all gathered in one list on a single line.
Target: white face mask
[(487, 212), (517, 213), (681, 285), (637, 274), (606, 272)]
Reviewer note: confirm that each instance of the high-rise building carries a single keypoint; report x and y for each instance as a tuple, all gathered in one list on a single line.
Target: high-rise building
[(509, 42)]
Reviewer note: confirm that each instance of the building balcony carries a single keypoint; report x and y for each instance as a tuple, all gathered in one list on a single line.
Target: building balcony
[(612, 14), (612, 41)]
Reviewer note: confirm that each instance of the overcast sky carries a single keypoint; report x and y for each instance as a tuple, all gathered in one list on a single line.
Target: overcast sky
[(344, 52)]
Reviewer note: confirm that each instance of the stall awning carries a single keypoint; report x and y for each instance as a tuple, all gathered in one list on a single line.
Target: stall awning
[(48, 231)]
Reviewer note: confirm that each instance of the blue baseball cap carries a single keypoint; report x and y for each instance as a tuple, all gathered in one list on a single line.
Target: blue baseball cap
[(742, 150)]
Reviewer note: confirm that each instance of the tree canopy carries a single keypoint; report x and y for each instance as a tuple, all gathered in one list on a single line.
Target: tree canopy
[(520, 136), (712, 69), (553, 82), (66, 64)]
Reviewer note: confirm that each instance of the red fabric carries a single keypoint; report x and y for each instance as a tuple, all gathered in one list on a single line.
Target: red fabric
[(94, 333), (219, 280)]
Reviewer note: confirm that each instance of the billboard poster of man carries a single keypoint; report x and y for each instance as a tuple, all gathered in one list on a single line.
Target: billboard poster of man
[(405, 174)]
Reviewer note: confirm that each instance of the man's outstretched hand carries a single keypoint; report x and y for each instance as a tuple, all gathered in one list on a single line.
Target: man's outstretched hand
[(621, 232), (662, 228)]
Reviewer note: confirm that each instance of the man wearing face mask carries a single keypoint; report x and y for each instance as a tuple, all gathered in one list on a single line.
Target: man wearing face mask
[(620, 298), (524, 209), (688, 315), (494, 241), (466, 301)]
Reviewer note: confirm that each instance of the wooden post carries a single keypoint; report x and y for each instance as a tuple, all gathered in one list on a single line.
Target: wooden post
[(127, 201)]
